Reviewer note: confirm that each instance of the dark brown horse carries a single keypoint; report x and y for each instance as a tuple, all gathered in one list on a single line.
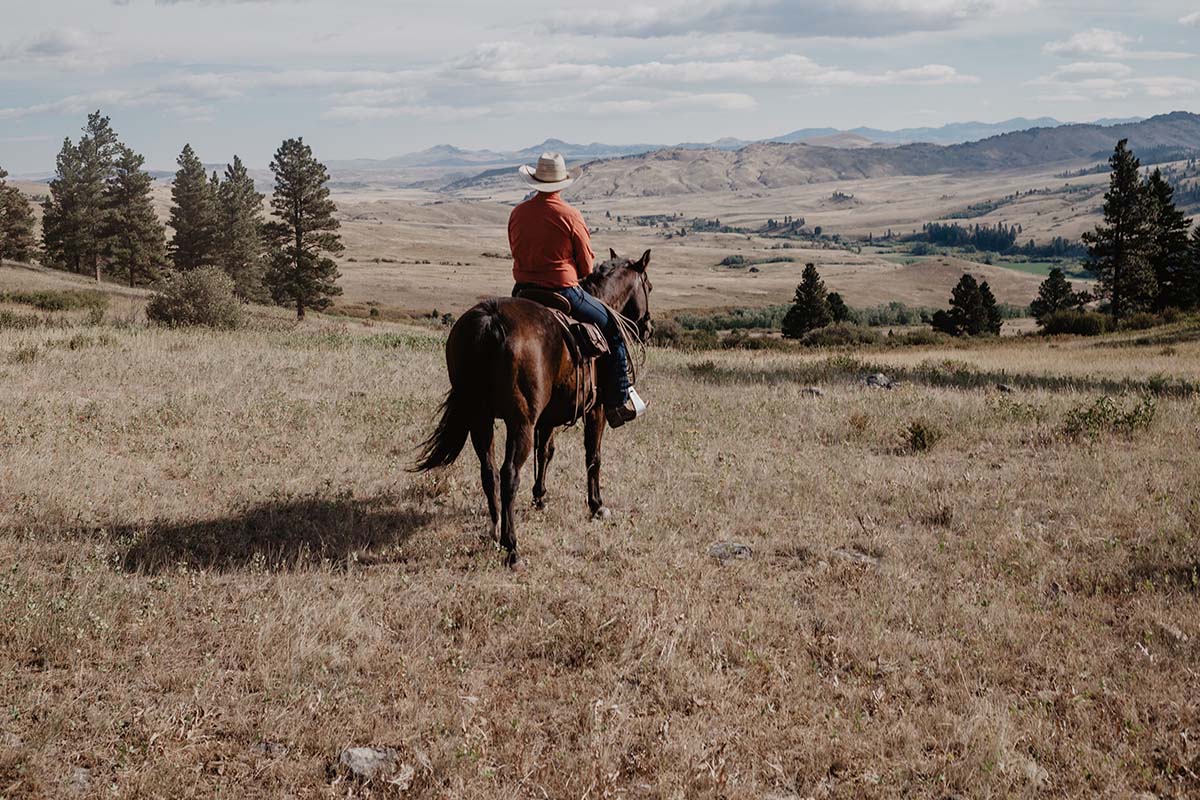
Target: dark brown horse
[(508, 360)]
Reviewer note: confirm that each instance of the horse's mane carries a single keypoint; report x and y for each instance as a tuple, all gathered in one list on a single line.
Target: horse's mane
[(602, 272)]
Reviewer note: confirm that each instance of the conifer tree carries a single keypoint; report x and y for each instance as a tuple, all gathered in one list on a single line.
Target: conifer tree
[(1169, 256), (97, 154), (810, 307), (1055, 294), (74, 212), (838, 308), (1189, 284), (240, 213), (61, 212), (16, 223), (993, 319), (193, 214), (134, 239), (1120, 250), (973, 310), (304, 230)]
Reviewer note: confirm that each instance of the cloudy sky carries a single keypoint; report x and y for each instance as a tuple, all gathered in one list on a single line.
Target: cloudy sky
[(373, 78)]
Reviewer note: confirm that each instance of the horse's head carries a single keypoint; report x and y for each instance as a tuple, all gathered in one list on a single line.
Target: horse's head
[(624, 285)]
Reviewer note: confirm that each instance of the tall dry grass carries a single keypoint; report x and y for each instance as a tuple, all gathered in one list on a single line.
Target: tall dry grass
[(215, 574)]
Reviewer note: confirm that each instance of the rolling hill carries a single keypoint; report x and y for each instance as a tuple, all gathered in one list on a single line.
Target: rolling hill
[(773, 165)]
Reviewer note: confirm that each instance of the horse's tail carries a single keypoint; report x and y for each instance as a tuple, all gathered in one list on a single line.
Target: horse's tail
[(474, 340)]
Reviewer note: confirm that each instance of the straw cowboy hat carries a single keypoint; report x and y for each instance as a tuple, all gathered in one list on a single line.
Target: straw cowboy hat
[(551, 173)]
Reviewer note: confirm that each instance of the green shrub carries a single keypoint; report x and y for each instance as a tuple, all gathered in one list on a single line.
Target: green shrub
[(65, 300), (733, 261), (920, 436), (202, 296), (840, 335), (1141, 321), (740, 340), (1106, 415), (13, 321), (916, 338), (1081, 323)]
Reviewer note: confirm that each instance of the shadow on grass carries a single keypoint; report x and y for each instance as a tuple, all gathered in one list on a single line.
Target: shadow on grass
[(284, 534), (846, 369)]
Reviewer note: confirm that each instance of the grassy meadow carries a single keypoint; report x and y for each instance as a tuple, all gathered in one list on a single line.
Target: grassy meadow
[(215, 573)]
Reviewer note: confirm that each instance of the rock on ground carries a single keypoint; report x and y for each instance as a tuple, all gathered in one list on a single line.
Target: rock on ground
[(376, 764), (725, 551)]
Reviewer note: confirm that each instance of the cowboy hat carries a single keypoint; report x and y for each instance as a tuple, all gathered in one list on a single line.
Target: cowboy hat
[(550, 175)]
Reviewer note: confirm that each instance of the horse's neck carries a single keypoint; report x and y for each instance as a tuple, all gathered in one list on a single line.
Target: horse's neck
[(614, 293)]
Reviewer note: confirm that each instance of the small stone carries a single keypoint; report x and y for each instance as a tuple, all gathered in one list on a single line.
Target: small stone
[(271, 749), (855, 556), (370, 763), (1004, 388), (879, 381), (726, 551), (1172, 632), (1036, 775), (81, 779), (812, 391)]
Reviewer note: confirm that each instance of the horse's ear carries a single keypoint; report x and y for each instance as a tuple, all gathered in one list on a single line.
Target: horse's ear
[(613, 254), (643, 262)]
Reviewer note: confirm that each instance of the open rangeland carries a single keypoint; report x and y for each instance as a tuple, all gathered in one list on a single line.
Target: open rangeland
[(215, 573)]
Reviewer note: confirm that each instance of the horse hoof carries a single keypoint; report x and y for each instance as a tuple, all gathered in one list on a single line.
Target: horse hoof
[(539, 503), (601, 513), (518, 567)]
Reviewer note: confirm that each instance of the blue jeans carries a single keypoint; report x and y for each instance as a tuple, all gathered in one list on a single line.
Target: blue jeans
[(614, 369)]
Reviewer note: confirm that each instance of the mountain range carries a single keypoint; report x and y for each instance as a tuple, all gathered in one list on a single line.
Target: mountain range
[(447, 158)]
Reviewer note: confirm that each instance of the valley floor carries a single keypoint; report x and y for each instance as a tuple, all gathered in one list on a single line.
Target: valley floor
[(215, 574)]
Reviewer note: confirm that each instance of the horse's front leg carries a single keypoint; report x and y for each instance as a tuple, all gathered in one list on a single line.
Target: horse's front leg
[(593, 433), (542, 453)]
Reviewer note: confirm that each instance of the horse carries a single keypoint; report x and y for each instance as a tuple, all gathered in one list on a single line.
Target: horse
[(507, 359)]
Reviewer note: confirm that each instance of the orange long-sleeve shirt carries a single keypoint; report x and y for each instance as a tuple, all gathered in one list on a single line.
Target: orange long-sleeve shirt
[(549, 242)]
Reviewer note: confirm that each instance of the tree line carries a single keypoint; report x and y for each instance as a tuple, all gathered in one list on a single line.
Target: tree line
[(99, 219)]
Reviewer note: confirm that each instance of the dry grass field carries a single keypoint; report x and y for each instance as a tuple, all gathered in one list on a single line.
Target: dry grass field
[(215, 573)]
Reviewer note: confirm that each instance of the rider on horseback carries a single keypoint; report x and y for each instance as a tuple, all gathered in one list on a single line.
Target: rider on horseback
[(552, 250)]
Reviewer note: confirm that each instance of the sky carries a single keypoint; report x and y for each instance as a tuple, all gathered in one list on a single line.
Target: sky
[(378, 78)]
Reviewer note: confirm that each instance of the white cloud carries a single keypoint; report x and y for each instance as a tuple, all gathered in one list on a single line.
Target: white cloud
[(845, 18), (362, 113), (1096, 43), (1191, 20), (1105, 69), (721, 101)]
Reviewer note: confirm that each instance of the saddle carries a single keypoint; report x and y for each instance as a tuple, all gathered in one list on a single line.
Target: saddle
[(585, 340)]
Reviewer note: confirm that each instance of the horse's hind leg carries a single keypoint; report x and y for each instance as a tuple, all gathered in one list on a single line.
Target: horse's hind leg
[(543, 451), (593, 433), (519, 442), (482, 433)]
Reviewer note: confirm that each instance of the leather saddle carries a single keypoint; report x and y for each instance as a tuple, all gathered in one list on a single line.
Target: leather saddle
[(585, 340)]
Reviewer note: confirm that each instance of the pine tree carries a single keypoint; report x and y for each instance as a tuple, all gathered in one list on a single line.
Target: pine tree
[(993, 319), (305, 230), (1120, 250), (1170, 254), (239, 210), (973, 310), (1189, 284), (810, 307), (97, 155), (134, 239), (1055, 294), (74, 212), (193, 214), (16, 223), (61, 212), (837, 307)]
